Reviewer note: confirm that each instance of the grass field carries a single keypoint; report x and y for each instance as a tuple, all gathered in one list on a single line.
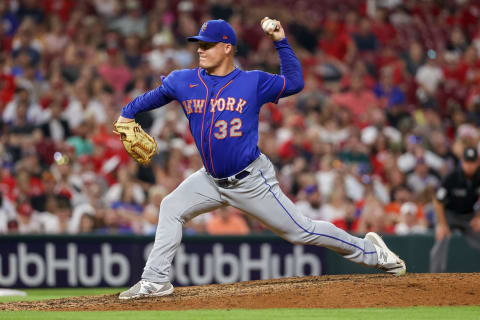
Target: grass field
[(435, 313), (43, 294)]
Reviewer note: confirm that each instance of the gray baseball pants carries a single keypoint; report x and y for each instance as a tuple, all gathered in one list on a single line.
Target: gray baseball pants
[(259, 196), (439, 252)]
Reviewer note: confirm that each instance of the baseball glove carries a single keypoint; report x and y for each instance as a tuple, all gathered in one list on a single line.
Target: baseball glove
[(138, 144)]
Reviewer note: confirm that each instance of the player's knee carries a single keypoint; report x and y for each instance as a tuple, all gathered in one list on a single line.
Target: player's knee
[(295, 238), (170, 208)]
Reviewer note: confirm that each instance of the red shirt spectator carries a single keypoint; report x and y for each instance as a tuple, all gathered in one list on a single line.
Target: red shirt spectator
[(226, 221), (7, 89), (115, 72), (358, 100)]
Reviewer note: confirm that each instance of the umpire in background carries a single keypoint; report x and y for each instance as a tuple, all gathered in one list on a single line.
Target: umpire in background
[(456, 207)]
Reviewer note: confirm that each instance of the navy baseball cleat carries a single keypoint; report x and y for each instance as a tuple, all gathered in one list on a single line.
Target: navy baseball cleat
[(144, 288), (387, 260)]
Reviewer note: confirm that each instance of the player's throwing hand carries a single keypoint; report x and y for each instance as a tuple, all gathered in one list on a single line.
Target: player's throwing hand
[(273, 28)]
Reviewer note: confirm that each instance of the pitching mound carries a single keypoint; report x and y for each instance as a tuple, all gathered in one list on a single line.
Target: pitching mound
[(345, 291)]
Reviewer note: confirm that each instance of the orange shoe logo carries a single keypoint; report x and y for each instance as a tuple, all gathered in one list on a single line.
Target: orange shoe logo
[(192, 85)]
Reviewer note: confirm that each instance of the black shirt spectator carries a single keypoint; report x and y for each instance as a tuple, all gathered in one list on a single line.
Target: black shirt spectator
[(56, 128), (32, 9), (365, 39)]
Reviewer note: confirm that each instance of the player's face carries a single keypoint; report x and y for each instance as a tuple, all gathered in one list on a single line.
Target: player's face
[(469, 167), (211, 54)]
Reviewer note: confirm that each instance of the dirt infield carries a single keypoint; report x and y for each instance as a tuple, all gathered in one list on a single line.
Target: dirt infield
[(345, 291)]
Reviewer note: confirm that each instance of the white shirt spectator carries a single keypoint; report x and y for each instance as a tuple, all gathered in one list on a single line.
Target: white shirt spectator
[(336, 137), (78, 212), (331, 213), (106, 8), (407, 161), (7, 213), (409, 223), (370, 133), (158, 59), (33, 225), (35, 114), (353, 188), (50, 223), (115, 193), (307, 210), (419, 184), (429, 76), (75, 114)]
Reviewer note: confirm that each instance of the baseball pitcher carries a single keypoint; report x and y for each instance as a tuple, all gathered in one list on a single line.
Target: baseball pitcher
[(222, 104)]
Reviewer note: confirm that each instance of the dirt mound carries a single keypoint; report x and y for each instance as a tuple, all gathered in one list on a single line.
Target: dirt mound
[(345, 291)]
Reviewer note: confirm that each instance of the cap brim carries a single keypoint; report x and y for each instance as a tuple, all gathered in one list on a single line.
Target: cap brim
[(200, 38)]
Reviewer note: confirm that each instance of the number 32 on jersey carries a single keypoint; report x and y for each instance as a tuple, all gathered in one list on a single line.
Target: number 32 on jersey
[(233, 129)]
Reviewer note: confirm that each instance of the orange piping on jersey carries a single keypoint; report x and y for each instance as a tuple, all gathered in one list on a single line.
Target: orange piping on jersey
[(203, 118), (281, 91), (211, 125)]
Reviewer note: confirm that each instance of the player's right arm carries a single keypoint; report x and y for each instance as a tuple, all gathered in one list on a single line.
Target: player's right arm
[(290, 81), (442, 229), (152, 99)]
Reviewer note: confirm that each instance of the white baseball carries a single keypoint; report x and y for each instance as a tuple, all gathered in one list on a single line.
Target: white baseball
[(269, 26)]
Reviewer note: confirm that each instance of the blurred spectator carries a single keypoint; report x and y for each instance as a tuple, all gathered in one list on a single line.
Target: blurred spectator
[(8, 20), (7, 214), (162, 52), (414, 58), (125, 190), (80, 140), (28, 220), (373, 217), (226, 221), (389, 94), (33, 111), (152, 209), (420, 178), (32, 9), (357, 99), (365, 39), (336, 206), (429, 77), (410, 223), (56, 128), (115, 72), (311, 206), (87, 223), (133, 22), (457, 44)]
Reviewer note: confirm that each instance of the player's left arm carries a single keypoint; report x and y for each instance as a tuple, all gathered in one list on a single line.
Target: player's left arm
[(152, 99), (290, 80)]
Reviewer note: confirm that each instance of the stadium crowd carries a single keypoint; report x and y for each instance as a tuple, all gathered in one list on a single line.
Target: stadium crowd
[(391, 99)]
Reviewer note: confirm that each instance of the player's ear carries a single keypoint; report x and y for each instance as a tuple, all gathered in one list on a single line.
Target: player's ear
[(229, 49)]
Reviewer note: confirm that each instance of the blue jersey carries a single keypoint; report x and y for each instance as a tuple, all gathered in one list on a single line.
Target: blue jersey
[(223, 110)]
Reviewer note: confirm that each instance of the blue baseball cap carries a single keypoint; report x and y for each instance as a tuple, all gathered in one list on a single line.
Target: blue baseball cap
[(216, 31)]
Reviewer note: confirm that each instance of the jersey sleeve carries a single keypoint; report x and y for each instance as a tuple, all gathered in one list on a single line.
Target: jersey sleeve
[(155, 98), (290, 81), (270, 87)]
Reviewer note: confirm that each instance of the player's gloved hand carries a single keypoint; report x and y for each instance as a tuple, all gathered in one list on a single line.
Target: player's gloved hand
[(442, 231), (278, 33), (138, 144)]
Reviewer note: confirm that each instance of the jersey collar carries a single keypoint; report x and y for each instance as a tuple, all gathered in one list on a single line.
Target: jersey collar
[(213, 80)]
